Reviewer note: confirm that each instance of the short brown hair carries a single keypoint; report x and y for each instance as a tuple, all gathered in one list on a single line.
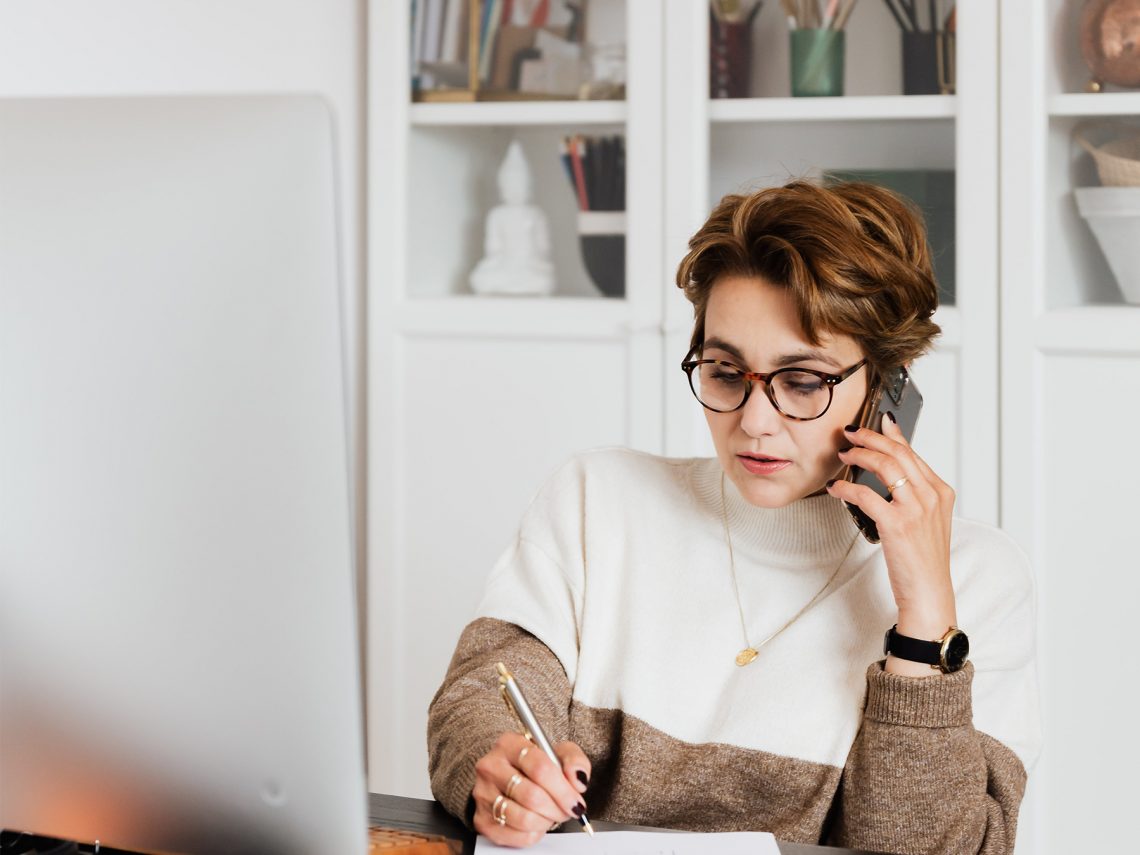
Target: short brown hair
[(854, 255)]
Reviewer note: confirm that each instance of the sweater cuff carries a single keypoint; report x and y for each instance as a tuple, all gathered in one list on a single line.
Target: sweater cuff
[(939, 701), (455, 795)]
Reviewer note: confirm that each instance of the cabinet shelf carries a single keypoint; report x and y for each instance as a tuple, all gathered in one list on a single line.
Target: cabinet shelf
[(1095, 104), (520, 113), (846, 108), (515, 317), (1110, 329), (579, 317)]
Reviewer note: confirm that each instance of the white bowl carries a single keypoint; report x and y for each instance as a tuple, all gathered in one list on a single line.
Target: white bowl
[(1113, 214)]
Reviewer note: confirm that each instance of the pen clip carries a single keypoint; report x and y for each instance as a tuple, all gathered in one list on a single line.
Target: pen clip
[(504, 676), (510, 705)]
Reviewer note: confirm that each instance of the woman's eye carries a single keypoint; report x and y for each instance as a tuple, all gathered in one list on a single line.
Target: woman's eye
[(804, 388), (722, 376), (802, 384)]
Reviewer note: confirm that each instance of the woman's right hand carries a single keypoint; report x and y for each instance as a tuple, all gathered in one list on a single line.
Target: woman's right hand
[(543, 796)]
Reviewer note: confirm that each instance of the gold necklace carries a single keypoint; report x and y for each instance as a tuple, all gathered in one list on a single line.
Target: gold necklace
[(750, 652)]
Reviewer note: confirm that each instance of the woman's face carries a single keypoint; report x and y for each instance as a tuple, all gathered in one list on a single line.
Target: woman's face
[(754, 325)]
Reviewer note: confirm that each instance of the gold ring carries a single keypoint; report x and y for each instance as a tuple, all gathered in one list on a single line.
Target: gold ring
[(499, 816), (522, 754), (891, 489), (515, 780)]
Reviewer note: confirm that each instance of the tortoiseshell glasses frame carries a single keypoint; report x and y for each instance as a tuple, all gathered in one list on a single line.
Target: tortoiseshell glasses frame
[(830, 381)]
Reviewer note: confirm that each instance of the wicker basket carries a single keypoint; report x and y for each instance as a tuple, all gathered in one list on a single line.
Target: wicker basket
[(1118, 160), (399, 841)]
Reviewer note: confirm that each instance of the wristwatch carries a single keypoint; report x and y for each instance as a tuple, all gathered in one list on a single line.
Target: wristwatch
[(948, 654)]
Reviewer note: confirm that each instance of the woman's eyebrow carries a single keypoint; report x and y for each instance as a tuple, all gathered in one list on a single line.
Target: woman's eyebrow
[(804, 356), (780, 361), (721, 344)]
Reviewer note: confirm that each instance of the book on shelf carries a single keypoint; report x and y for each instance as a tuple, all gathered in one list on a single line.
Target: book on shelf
[(439, 43), (496, 50)]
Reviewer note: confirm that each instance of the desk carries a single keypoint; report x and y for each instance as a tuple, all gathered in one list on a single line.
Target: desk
[(430, 817)]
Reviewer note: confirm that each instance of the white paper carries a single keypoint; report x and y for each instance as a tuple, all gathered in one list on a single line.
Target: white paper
[(647, 843)]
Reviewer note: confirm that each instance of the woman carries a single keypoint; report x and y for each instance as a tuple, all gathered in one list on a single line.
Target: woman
[(704, 638)]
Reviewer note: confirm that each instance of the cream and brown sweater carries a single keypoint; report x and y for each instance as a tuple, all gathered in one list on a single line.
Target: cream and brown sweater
[(614, 607)]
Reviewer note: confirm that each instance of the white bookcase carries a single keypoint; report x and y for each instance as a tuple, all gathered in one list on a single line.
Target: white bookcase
[(1070, 356), (474, 400)]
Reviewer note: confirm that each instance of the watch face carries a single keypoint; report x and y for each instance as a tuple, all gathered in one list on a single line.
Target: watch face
[(957, 651)]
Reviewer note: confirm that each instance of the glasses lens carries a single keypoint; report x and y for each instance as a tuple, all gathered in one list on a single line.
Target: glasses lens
[(720, 387), (801, 394)]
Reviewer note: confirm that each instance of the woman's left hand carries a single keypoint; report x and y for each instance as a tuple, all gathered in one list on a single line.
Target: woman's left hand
[(914, 527)]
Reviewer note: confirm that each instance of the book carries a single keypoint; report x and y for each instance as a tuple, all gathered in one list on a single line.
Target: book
[(433, 30), (454, 36), (492, 18)]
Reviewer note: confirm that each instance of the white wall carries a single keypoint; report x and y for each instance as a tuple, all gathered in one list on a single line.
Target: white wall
[(149, 47)]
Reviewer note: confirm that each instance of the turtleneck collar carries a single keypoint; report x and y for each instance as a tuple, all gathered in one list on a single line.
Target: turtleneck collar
[(808, 531)]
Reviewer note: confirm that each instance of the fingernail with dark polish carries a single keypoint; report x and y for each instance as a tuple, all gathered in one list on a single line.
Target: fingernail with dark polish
[(582, 777), (851, 428), (578, 809), (832, 481), (891, 416)]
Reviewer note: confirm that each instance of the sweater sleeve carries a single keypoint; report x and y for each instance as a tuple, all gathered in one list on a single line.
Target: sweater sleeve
[(467, 714), (940, 763), (529, 619), (920, 778)]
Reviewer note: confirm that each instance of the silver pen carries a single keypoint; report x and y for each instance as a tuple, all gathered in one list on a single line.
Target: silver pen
[(532, 730)]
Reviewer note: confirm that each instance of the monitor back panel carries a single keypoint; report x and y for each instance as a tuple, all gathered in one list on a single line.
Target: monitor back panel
[(178, 645)]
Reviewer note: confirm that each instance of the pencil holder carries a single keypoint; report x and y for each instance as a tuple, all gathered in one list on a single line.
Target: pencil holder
[(928, 63), (601, 236), (730, 58), (817, 62)]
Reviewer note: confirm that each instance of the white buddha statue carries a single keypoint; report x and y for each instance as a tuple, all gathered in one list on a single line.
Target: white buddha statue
[(517, 243)]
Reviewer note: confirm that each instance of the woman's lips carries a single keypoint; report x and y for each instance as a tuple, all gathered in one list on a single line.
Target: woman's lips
[(762, 467)]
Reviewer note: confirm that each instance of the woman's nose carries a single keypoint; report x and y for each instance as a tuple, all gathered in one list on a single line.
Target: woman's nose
[(758, 416)]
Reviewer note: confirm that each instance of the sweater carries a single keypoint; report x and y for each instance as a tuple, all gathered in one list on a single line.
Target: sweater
[(615, 609)]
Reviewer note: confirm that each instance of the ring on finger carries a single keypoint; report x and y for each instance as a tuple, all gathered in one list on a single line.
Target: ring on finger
[(499, 810), (515, 780), (891, 488)]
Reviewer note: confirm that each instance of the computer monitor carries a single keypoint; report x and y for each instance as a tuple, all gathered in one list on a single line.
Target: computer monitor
[(178, 641)]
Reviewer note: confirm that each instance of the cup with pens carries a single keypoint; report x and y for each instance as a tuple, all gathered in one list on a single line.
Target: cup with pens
[(927, 54), (817, 45), (595, 168)]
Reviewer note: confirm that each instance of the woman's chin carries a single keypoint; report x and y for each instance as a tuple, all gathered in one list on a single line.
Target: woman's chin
[(764, 493)]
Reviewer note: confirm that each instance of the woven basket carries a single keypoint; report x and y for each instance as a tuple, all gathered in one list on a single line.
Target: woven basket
[(1118, 160), (399, 841)]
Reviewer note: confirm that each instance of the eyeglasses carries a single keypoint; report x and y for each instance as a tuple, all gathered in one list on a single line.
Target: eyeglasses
[(796, 393)]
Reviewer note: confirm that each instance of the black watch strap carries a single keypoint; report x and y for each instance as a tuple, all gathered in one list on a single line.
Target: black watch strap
[(948, 654), (911, 649)]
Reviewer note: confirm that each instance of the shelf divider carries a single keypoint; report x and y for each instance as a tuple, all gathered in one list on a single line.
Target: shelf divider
[(477, 316), (843, 108), (1095, 104), (1090, 330), (520, 113)]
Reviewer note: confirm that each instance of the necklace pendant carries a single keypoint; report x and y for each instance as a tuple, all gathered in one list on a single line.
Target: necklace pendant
[(746, 656)]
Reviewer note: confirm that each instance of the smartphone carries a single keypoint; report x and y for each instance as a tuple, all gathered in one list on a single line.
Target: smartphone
[(897, 394)]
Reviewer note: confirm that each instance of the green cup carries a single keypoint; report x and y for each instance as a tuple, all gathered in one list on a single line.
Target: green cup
[(817, 62)]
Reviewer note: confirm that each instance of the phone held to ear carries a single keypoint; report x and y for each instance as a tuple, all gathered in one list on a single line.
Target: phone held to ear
[(897, 394)]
